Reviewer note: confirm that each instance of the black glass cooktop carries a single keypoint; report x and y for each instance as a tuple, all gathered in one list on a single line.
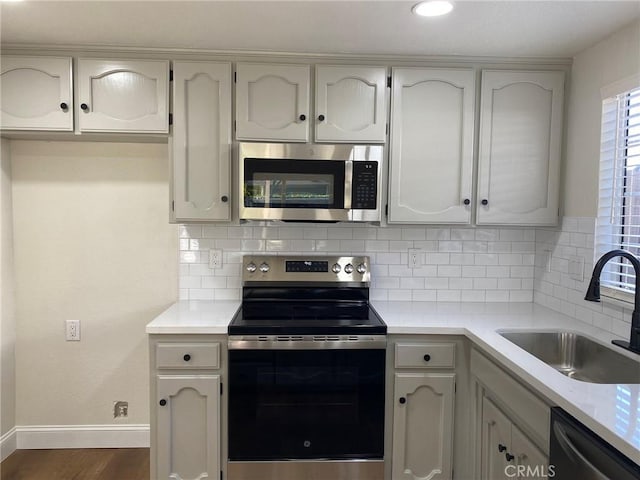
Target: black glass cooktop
[(306, 311)]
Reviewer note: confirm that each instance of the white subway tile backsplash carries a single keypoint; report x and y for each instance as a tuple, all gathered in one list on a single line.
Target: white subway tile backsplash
[(460, 264)]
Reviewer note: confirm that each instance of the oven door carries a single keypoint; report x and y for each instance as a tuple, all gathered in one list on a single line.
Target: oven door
[(306, 404), (292, 189)]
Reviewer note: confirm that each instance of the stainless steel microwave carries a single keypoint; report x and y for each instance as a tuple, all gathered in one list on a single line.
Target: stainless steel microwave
[(310, 182)]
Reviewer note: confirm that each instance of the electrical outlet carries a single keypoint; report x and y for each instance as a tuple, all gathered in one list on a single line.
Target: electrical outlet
[(415, 258), (215, 258), (576, 268), (72, 330), (120, 409)]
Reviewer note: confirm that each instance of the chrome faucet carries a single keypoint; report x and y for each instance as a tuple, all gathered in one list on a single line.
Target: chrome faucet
[(593, 295)]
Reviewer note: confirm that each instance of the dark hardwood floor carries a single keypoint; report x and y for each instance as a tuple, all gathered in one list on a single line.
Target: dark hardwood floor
[(77, 464)]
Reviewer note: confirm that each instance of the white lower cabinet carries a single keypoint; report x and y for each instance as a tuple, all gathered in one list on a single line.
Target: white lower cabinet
[(188, 416), (423, 425), (512, 423), (505, 448)]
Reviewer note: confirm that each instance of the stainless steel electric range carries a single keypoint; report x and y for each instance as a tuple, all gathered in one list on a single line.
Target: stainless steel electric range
[(306, 372)]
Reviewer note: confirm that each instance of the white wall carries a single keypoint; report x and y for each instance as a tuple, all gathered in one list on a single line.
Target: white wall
[(7, 316), (611, 60), (93, 243)]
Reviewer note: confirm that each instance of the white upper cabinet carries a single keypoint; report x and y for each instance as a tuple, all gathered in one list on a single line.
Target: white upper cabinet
[(431, 146), (129, 96), (272, 102), (201, 142), (36, 93), (520, 147), (350, 104)]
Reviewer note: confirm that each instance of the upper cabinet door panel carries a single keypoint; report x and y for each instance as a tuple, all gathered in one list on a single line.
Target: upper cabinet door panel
[(123, 95), (431, 149), (272, 102), (520, 147), (350, 104), (201, 144), (36, 93)]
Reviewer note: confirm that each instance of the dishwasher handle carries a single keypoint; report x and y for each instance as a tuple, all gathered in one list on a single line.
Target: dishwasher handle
[(572, 452)]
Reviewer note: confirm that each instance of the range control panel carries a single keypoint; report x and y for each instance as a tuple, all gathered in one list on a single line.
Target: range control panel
[(305, 269)]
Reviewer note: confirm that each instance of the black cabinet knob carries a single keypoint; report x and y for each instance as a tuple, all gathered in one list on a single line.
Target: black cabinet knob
[(163, 402), (64, 106), (321, 118), (224, 198), (427, 357), (466, 201), (508, 456), (84, 106), (186, 357), (484, 201), (501, 448), (302, 117), (403, 400)]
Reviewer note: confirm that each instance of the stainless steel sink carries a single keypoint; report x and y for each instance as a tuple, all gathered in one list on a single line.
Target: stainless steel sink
[(577, 356)]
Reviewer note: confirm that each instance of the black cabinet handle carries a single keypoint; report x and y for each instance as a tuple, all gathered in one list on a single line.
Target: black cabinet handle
[(224, 198), (163, 402), (403, 400), (84, 106), (302, 117), (186, 357), (64, 106), (427, 357), (508, 456), (321, 117), (501, 448), (484, 201), (466, 201)]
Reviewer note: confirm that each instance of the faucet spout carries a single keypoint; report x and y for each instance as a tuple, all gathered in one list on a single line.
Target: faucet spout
[(593, 295)]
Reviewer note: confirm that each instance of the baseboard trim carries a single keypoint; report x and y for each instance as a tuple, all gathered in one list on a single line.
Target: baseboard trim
[(82, 436), (8, 443)]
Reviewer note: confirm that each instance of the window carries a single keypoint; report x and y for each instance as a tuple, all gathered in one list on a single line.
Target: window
[(619, 205)]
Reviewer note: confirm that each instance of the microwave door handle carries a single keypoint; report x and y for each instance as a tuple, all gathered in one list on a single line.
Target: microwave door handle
[(572, 452), (348, 179)]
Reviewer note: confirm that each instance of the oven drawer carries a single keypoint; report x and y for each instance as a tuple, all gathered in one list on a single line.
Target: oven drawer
[(188, 355), (425, 355)]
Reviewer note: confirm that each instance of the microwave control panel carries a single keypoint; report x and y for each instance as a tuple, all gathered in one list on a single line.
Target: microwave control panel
[(364, 186)]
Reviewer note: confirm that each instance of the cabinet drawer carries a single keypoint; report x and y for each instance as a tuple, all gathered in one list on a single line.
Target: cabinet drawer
[(425, 355), (188, 355)]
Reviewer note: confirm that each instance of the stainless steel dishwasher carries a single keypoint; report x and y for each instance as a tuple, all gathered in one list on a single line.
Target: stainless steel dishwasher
[(578, 453)]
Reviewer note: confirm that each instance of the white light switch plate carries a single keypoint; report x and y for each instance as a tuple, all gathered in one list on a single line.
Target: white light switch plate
[(576, 268)]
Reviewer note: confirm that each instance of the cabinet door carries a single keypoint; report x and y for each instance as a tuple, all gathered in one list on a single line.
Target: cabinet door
[(431, 146), (201, 142), (36, 93), (123, 95), (527, 454), (188, 427), (520, 147), (350, 104), (272, 102), (423, 426), (496, 442)]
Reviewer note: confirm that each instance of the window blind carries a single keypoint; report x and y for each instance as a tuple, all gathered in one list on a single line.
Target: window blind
[(618, 225)]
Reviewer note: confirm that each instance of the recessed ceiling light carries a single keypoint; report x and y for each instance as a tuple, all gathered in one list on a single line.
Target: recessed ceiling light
[(432, 8)]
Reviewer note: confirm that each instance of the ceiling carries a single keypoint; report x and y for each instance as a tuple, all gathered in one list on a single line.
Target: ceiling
[(559, 28)]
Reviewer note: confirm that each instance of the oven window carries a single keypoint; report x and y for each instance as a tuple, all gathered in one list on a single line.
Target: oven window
[(293, 183), (306, 404)]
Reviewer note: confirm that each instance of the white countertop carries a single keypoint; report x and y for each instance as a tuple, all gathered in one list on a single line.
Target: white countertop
[(610, 410)]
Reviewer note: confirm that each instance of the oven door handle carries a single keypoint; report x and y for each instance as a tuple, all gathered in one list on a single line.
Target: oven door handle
[(310, 342)]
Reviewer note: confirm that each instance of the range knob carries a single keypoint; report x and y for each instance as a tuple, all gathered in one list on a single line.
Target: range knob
[(264, 267), (361, 268), (251, 267), (336, 268), (348, 268)]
